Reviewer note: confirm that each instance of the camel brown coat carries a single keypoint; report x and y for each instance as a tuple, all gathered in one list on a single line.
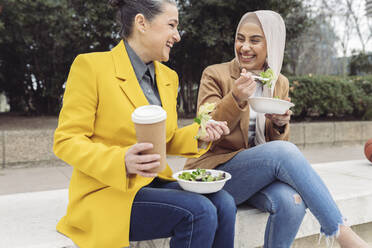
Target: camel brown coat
[(216, 86)]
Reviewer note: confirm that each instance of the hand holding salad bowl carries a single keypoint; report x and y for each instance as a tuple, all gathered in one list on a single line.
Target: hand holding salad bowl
[(270, 106)]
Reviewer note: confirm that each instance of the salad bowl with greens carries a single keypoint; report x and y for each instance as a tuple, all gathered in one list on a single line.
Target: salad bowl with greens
[(268, 105), (202, 181)]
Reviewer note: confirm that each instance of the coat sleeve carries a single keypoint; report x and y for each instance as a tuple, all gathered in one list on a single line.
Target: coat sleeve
[(211, 90), (272, 132), (73, 137)]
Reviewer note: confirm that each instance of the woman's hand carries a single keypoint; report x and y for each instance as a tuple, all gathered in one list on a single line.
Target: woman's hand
[(215, 129), (137, 163), (244, 86), (280, 120)]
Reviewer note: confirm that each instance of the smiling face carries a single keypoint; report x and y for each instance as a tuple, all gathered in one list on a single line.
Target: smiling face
[(161, 33), (250, 46)]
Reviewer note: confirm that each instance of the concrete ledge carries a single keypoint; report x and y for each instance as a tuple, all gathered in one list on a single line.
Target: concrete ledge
[(2, 150), (297, 134), (319, 133), (330, 133), (19, 147), (28, 145), (366, 130), (348, 132), (29, 219)]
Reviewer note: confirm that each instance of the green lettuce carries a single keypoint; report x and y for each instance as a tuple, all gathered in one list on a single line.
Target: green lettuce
[(269, 74), (203, 117)]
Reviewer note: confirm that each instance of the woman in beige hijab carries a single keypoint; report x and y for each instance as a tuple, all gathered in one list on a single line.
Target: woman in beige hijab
[(267, 171)]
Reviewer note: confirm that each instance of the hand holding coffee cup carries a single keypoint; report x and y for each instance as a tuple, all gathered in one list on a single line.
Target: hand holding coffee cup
[(149, 122), (141, 164), (244, 86)]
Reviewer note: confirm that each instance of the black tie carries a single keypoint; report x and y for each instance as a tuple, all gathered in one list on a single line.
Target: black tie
[(150, 89), (147, 77)]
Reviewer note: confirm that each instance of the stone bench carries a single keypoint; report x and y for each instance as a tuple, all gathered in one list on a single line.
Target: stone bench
[(28, 220)]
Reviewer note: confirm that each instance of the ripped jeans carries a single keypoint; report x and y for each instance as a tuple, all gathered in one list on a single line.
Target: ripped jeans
[(275, 177)]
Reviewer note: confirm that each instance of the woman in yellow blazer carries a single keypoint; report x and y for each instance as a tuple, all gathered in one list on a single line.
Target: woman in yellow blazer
[(112, 197), (267, 171)]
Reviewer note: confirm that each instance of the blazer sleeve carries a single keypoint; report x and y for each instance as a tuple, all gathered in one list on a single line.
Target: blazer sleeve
[(183, 141), (72, 138), (211, 90), (272, 132)]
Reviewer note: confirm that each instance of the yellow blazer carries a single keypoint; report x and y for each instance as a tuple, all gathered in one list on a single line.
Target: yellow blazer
[(93, 134)]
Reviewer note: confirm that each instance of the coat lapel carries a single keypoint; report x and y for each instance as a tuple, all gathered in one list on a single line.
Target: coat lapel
[(129, 84), (125, 73), (165, 91)]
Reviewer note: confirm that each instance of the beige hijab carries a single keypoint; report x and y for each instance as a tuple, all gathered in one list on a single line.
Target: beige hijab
[(273, 28)]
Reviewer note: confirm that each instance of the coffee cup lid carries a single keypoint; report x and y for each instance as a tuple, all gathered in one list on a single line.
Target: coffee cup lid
[(149, 114)]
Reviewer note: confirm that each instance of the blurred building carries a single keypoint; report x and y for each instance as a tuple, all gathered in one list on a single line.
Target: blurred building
[(369, 8), (4, 106), (340, 66)]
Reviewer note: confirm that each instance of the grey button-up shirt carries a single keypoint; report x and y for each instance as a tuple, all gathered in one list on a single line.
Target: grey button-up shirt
[(146, 81)]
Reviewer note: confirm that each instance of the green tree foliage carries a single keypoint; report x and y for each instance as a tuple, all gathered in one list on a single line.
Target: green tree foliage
[(40, 38), (361, 64), (207, 30), (39, 41), (1, 37)]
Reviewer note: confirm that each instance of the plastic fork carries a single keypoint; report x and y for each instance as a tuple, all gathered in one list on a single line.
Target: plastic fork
[(260, 78)]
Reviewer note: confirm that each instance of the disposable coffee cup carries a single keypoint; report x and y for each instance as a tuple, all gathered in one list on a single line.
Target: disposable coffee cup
[(149, 122)]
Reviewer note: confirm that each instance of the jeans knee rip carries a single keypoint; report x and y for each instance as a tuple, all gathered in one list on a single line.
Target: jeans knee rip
[(297, 199), (330, 239)]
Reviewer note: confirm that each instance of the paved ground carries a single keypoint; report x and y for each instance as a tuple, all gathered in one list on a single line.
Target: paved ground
[(57, 175)]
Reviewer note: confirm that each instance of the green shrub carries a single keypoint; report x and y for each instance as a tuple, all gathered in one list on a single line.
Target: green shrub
[(331, 97)]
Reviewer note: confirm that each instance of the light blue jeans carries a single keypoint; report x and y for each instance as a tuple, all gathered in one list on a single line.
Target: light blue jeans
[(275, 177)]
